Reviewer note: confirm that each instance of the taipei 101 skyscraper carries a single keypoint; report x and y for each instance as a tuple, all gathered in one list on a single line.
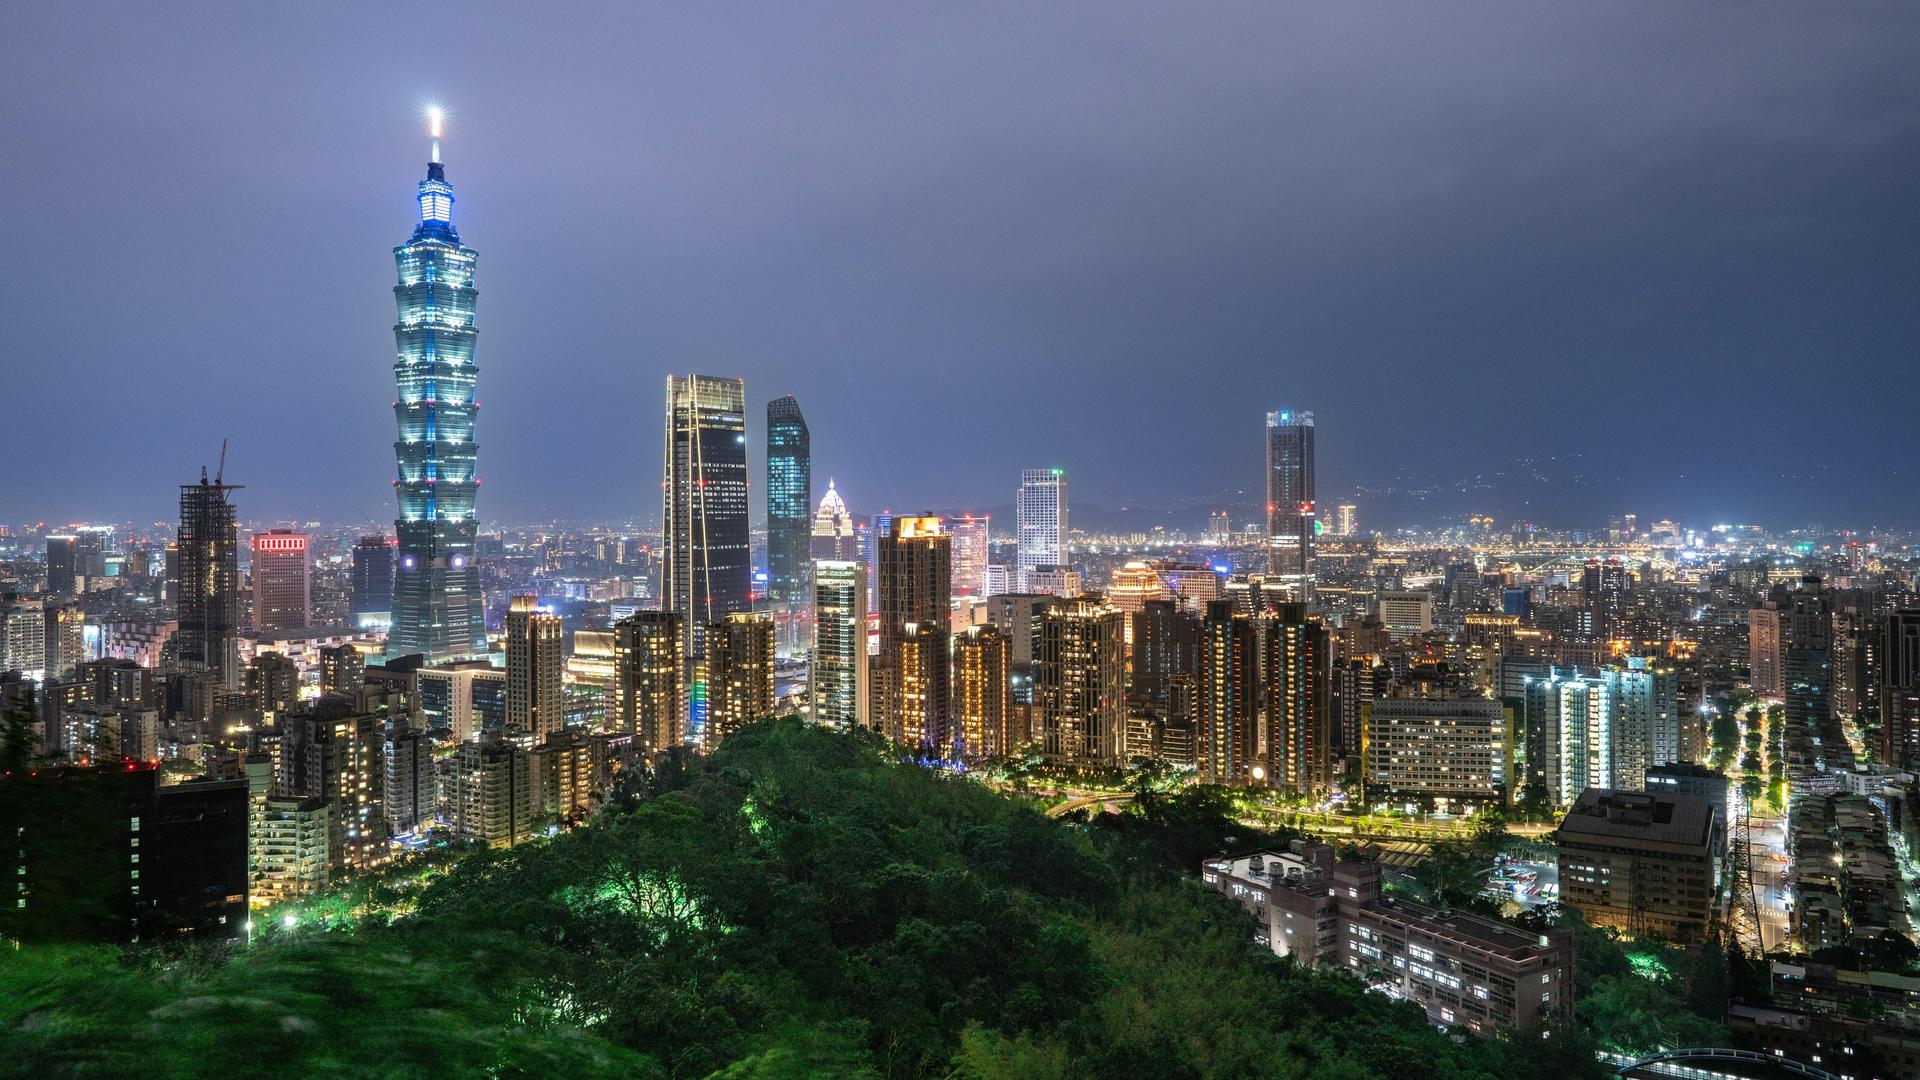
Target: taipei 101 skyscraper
[(438, 609)]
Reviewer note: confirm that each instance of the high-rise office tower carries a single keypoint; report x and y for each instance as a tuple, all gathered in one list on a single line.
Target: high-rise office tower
[(1079, 682), (834, 536), (63, 565), (916, 590), (208, 604), (1766, 672), (738, 670), (1603, 596), (1899, 689), (708, 568), (536, 700), (982, 662), (789, 503), (1290, 505), (281, 593), (837, 675), (971, 554), (649, 695), (1229, 692), (438, 609), (1811, 734), (1346, 518), (1295, 670), (372, 582), (1040, 516)]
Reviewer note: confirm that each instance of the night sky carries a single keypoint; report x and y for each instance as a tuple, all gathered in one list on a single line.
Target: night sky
[(1673, 247)]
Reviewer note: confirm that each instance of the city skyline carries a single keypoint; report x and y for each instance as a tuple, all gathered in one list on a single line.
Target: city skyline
[(1687, 278)]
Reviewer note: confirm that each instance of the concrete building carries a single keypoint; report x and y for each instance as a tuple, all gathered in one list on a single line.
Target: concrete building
[(1640, 863), (1444, 752), (536, 697), (1079, 682), (1040, 514), (1406, 613), (1465, 971), (1229, 697), (837, 676), (912, 674), (737, 675), (493, 792), (649, 696), (289, 849), (1766, 672), (1899, 689), (982, 703), (1295, 711), (465, 697), (23, 635), (282, 592), (412, 786)]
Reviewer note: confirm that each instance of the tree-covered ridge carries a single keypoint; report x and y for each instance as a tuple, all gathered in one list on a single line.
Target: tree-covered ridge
[(798, 904)]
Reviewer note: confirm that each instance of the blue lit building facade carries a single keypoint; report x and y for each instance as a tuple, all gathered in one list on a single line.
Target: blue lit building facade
[(438, 609), (789, 503)]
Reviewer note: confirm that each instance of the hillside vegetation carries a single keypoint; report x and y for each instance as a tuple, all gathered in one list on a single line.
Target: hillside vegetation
[(797, 904)]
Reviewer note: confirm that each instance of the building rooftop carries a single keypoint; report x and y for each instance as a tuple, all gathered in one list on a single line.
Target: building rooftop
[(1464, 928), (1630, 815)]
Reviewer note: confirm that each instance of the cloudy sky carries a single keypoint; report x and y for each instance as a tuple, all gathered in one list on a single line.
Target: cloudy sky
[(1673, 247)]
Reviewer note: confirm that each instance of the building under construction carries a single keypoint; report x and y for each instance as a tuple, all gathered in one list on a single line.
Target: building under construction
[(208, 575)]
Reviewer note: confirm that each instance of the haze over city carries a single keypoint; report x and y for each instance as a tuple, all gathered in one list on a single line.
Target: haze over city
[(1636, 245), (1043, 541)]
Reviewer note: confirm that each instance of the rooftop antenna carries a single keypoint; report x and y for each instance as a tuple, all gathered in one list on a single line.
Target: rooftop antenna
[(435, 115)]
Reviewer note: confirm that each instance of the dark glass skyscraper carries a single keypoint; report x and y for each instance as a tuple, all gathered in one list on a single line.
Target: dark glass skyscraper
[(437, 605), (708, 571), (208, 607), (372, 581), (1290, 505), (789, 503)]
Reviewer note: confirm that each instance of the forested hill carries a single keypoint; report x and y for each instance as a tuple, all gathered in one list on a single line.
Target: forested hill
[(797, 904)]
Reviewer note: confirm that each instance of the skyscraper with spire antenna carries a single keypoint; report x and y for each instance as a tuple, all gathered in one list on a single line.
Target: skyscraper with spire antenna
[(438, 609)]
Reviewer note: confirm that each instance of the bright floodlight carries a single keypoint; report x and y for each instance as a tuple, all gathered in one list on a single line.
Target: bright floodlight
[(434, 116)]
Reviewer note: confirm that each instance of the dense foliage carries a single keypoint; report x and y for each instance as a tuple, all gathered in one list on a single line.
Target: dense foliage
[(797, 904)]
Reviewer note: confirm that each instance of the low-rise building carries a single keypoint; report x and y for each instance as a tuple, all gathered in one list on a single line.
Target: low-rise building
[(1466, 971)]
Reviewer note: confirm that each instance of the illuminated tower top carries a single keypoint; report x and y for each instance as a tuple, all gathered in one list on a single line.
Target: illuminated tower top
[(436, 195)]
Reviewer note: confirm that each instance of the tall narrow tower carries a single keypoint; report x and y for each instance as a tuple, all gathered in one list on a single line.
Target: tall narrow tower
[(208, 602), (789, 503), (438, 609), (704, 491), (1290, 505), (1040, 515)]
